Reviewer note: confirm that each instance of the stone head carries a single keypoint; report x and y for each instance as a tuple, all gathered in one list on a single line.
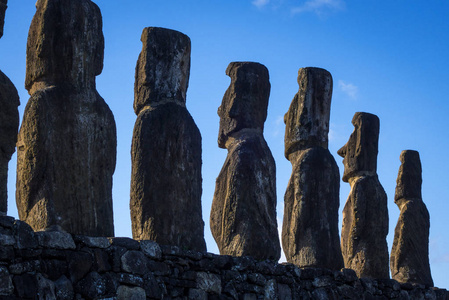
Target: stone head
[(245, 102), (3, 7), (409, 181), (360, 152), (65, 44), (307, 120), (163, 68)]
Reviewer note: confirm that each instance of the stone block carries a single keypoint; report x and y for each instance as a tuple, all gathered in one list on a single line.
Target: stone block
[(55, 240), (80, 263), (64, 289), (24, 235), (151, 249), (125, 242), (93, 242), (6, 286), (130, 293), (135, 262), (208, 282), (197, 294)]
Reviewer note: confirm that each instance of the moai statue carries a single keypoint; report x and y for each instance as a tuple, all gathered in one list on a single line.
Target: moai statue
[(409, 260), (310, 230), (166, 148), (9, 123), (365, 215), (243, 215), (67, 141)]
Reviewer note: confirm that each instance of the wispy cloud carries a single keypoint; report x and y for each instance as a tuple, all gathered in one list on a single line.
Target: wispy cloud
[(260, 3), (278, 125), (319, 7), (349, 89)]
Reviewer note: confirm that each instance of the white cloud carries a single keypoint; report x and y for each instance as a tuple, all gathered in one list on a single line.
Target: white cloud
[(331, 135), (319, 7), (349, 89), (260, 3), (278, 126)]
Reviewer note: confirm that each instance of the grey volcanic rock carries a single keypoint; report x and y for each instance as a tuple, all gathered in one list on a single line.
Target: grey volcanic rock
[(243, 214), (365, 215), (67, 141), (166, 149), (409, 260), (310, 227), (9, 123)]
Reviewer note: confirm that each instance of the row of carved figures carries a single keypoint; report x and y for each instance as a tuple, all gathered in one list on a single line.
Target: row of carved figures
[(67, 153)]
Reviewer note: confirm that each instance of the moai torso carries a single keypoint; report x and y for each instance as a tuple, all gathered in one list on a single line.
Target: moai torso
[(409, 259), (166, 149), (9, 123), (243, 214), (67, 141), (310, 227), (365, 215)]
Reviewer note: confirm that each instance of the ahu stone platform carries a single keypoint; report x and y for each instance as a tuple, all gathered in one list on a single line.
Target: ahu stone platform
[(57, 265)]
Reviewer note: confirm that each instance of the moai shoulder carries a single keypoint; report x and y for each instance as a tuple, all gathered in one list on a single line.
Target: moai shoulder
[(365, 215), (310, 227), (9, 123), (243, 214), (409, 260), (67, 141), (166, 148)]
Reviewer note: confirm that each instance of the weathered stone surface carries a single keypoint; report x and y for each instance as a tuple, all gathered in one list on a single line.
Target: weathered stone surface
[(55, 239), (125, 242), (310, 227), (26, 286), (365, 215), (151, 249), (80, 264), (70, 274), (9, 123), (67, 141), (24, 235), (409, 259), (93, 286), (95, 242), (64, 289), (163, 68), (307, 120), (135, 262), (166, 148), (6, 286), (243, 215), (210, 283), (45, 288), (245, 101), (130, 293)]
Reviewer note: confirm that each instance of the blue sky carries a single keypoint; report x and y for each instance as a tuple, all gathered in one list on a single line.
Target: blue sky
[(386, 57)]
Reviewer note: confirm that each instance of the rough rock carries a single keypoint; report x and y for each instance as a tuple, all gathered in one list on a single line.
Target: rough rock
[(409, 259), (365, 215), (166, 149), (55, 239), (67, 141), (130, 293), (9, 123), (243, 215), (310, 227), (6, 286), (54, 273)]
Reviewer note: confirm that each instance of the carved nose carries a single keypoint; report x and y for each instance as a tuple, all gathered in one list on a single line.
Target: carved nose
[(342, 151)]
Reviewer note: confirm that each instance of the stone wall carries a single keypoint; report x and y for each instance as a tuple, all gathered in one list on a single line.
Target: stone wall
[(57, 265)]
